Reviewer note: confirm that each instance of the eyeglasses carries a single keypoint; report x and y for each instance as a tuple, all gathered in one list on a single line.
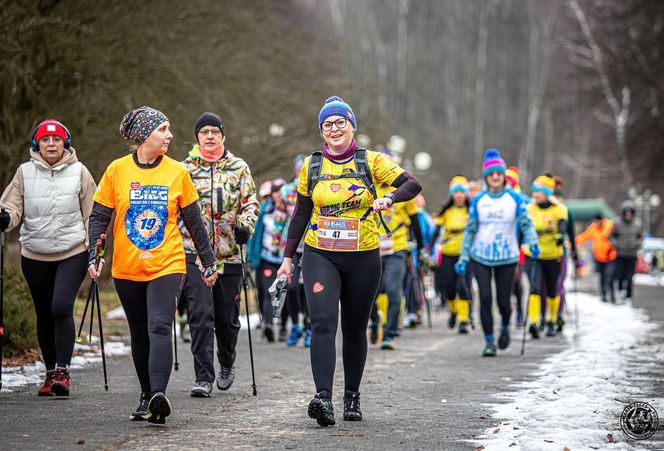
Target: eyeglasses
[(48, 139), (340, 123), (213, 131)]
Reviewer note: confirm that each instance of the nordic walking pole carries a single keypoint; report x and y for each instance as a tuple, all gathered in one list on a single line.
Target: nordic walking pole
[(533, 274), (424, 297), (85, 312), (175, 339), (101, 249), (2, 296), (101, 336), (93, 298), (246, 306), (92, 309)]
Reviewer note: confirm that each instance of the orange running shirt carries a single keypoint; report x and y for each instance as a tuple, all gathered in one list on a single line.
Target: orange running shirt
[(146, 240)]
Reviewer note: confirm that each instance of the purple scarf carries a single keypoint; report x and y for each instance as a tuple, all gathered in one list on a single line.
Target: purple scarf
[(344, 156)]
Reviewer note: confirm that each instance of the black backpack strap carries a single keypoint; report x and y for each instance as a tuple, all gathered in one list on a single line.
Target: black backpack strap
[(363, 171), (364, 174), (313, 172)]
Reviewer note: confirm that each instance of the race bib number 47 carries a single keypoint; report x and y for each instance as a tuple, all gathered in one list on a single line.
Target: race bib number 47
[(338, 234)]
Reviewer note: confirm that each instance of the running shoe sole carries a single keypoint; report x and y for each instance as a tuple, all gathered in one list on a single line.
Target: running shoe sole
[(352, 416), (320, 413), (158, 409), (138, 417), (200, 394), (222, 388)]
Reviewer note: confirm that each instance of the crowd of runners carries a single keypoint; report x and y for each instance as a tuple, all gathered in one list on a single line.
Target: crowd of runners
[(349, 230)]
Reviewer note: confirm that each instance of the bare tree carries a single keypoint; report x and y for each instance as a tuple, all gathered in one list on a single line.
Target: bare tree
[(620, 107), (541, 25)]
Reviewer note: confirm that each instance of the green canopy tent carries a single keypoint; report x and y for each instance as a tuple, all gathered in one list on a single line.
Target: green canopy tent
[(583, 210)]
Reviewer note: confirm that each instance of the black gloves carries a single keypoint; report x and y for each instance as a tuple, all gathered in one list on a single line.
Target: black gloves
[(207, 272), (241, 235), (4, 220)]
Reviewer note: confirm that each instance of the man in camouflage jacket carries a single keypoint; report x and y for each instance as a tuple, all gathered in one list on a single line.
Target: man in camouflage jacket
[(229, 209)]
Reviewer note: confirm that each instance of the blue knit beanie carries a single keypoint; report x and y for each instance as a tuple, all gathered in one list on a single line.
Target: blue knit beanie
[(335, 106), (493, 162)]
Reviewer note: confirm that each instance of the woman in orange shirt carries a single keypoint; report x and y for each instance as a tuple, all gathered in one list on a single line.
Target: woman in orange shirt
[(147, 190), (604, 252)]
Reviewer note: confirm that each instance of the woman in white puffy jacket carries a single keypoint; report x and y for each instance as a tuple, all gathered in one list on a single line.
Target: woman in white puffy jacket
[(52, 196)]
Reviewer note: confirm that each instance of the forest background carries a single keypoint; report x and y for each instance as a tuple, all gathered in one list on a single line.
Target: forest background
[(569, 87)]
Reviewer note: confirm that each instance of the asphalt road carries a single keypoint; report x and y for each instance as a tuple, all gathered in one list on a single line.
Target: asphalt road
[(431, 393)]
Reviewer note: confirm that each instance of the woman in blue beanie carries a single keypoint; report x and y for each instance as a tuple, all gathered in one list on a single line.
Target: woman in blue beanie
[(490, 241), (338, 208)]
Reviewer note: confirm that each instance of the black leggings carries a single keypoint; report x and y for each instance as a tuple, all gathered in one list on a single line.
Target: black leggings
[(504, 277), (331, 277), (53, 286), (150, 308), (517, 289), (452, 283), (547, 272)]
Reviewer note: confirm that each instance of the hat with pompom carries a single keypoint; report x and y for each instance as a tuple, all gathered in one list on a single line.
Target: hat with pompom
[(493, 162), (335, 106)]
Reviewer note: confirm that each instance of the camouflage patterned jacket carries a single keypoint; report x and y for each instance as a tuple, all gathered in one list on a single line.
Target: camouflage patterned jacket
[(231, 194)]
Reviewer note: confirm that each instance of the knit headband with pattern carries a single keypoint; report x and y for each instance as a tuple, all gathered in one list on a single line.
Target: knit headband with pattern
[(138, 125)]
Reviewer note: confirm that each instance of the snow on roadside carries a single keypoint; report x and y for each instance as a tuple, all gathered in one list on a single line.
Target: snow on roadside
[(14, 377), (254, 319), (649, 280), (577, 396)]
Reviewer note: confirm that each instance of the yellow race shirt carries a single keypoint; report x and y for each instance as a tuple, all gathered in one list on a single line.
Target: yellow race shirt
[(453, 221), (343, 218), (146, 240), (397, 219), (546, 222)]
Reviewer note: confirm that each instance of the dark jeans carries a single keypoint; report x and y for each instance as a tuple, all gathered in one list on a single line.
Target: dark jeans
[(391, 283), (150, 309), (198, 299), (624, 273), (212, 312), (53, 286), (605, 271)]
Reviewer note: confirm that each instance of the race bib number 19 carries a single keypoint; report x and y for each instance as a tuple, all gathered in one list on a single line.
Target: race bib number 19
[(147, 216), (338, 234)]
